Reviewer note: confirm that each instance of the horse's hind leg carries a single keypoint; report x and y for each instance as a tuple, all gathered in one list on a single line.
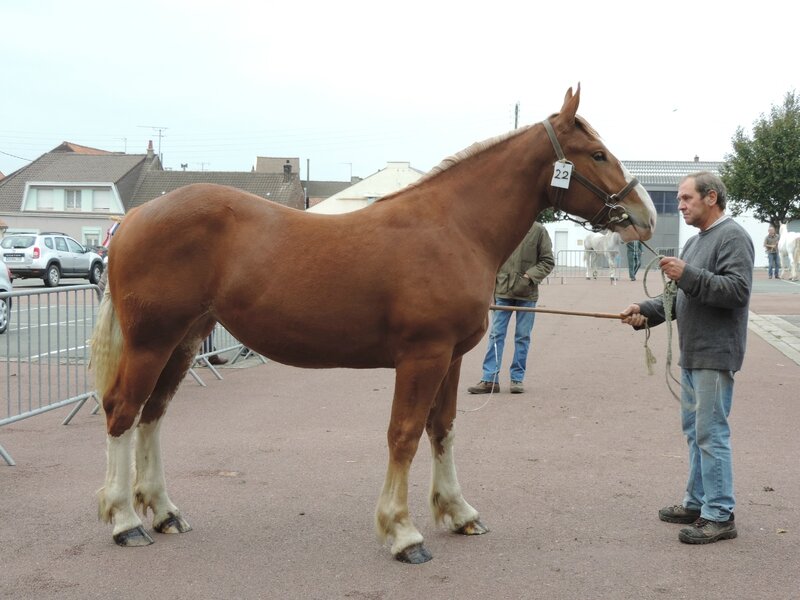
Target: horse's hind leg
[(447, 501), (136, 376), (150, 488)]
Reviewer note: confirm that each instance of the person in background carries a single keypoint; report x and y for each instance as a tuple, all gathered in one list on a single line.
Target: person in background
[(208, 346), (101, 285), (516, 284), (714, 279), (771, 246), (634, 258)]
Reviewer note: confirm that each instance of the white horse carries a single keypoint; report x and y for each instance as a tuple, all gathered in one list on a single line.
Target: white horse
[(596, 245), (789, 251)]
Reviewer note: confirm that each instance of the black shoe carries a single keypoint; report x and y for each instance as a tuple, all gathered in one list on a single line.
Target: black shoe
[(679, 514), (484, 387), (704, 531)]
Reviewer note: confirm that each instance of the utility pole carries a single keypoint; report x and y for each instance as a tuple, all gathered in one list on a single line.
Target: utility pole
[(516, 115), (308, 182)]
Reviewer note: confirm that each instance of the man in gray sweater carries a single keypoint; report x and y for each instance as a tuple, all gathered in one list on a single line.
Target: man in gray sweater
[(714, 277)]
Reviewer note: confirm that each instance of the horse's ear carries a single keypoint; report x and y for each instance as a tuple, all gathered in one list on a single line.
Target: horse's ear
[(570, 107)]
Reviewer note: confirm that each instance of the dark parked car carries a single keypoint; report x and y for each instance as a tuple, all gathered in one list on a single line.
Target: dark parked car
[(5, 303)]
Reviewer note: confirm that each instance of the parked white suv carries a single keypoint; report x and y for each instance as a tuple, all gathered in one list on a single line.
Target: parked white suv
[(50, 256)]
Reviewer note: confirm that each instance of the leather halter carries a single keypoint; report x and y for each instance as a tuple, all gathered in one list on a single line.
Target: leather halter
[(611, 213)]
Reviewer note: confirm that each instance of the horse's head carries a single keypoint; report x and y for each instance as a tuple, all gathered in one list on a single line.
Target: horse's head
[(598, 189)]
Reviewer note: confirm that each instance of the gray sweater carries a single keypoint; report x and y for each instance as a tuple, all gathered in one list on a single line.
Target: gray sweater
[(713, 298)]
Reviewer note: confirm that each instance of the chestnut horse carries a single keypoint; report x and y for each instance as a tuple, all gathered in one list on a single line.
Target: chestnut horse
[(405, 283)]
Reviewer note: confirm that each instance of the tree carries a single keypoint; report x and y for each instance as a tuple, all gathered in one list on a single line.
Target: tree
[(763, 173), (548, 215)]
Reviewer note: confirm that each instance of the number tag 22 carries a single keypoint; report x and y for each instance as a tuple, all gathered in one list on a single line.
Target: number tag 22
[(562, 174)]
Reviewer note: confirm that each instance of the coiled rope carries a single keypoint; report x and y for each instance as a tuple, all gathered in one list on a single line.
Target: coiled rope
[(668, 296)]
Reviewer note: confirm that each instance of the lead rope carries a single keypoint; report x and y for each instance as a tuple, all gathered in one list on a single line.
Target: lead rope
[(667, 299)]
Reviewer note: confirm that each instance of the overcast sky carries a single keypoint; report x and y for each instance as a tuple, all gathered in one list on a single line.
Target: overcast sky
[(351, 85)]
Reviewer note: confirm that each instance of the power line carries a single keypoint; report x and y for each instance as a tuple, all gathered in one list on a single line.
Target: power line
[(15, 156)]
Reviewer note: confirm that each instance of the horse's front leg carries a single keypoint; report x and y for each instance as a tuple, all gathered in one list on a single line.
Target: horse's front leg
[(417, 380), (447, 501)]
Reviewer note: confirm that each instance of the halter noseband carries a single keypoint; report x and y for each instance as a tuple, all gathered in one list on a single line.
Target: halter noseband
[(611, 202)]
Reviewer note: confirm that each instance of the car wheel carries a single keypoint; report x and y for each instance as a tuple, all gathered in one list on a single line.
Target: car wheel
[(5, 314), (52, 276), (95, 273)]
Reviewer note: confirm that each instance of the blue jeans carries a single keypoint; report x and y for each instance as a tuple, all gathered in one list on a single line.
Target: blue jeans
[(706, 397), (634, 262), (774, 264), (497, 338)]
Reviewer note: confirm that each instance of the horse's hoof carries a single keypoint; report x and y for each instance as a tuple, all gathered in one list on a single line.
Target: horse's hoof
[(473, 528), (133, 537), (173, 524), (414, 555)]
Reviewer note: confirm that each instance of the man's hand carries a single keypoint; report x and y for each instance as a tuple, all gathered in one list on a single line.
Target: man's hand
[(672, 267), (633, 317)]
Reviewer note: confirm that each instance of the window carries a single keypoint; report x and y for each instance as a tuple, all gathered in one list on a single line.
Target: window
[(101, 200), (61, 244), (665, 202), (72, 200), (74, 246), (91, 237), (44, 199)]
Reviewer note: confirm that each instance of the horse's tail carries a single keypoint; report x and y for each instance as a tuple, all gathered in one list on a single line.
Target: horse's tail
[(106, 345)]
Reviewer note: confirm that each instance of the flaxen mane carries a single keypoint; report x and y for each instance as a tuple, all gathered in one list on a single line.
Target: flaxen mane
[(478, 147)]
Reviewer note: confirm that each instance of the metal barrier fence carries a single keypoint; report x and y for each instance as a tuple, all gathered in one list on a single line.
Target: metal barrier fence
[(44, 354), (223, 342), (579, 264), (662, 251)]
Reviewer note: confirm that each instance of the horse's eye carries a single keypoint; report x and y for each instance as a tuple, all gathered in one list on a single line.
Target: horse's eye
[(599, 156)]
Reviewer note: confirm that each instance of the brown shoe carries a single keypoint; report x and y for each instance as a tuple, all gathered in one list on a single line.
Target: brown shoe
[(217, 360), (484, 387)]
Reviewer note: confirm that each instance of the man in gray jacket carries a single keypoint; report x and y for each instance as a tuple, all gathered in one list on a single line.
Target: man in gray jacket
[(714, 277), (517, 284)]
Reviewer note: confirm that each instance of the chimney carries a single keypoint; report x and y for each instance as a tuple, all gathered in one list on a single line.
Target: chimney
[(696, 158), (287, 172), (150, 151)]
